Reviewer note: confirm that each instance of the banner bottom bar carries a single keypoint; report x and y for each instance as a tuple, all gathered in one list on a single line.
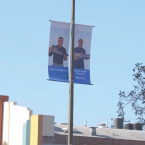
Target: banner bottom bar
[(67, 82)]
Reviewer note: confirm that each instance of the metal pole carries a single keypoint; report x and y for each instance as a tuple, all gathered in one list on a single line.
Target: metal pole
[(71, 81)]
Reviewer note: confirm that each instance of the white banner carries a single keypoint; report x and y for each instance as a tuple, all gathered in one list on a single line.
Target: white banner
[(58, 51), (83, 35)]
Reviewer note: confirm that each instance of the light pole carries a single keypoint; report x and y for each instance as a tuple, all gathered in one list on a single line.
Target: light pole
[(71, 80), (143, 94)]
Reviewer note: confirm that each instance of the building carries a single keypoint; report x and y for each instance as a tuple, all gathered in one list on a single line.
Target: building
[(20, 127)]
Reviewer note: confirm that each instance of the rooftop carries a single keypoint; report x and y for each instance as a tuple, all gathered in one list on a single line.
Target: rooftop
[(103, 132)]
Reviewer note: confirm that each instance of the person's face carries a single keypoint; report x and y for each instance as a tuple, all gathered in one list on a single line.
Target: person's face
[(80, 43), (60, 41)]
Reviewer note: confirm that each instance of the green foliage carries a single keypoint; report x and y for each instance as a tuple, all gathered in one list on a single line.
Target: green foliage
[(135, 97)]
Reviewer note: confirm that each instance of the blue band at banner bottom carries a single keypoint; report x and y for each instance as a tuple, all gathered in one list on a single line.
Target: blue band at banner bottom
[(82, 76), (58, 73)]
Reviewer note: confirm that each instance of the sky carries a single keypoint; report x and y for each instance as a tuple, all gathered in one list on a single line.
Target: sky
[(118, 42)]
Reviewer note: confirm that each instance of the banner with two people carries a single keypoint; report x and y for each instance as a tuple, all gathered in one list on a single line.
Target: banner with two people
[(58, 53)]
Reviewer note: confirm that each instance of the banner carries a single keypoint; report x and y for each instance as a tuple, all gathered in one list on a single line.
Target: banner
[(58, 51), (82, 44)]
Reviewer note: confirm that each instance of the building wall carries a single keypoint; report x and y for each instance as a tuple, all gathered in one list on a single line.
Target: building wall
[(78, 140), (48, 125), (2, 100), (28, 132), (6, 123), (36, 130), (41, 125), (52, 144), (24, 133), (14, 118)]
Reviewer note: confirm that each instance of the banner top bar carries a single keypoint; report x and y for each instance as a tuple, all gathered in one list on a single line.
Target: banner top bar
[(70, 23), (59, 21), (85, 25)]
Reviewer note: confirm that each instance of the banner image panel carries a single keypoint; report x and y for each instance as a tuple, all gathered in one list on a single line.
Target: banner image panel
[(83, 34), (58, 51)]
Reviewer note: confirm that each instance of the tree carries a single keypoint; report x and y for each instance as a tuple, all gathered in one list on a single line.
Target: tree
[(135, 97)]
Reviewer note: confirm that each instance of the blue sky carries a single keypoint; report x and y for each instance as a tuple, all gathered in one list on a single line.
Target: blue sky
[(118, 42)]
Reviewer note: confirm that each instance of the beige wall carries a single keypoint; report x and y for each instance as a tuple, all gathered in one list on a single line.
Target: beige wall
[(41, 125)]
